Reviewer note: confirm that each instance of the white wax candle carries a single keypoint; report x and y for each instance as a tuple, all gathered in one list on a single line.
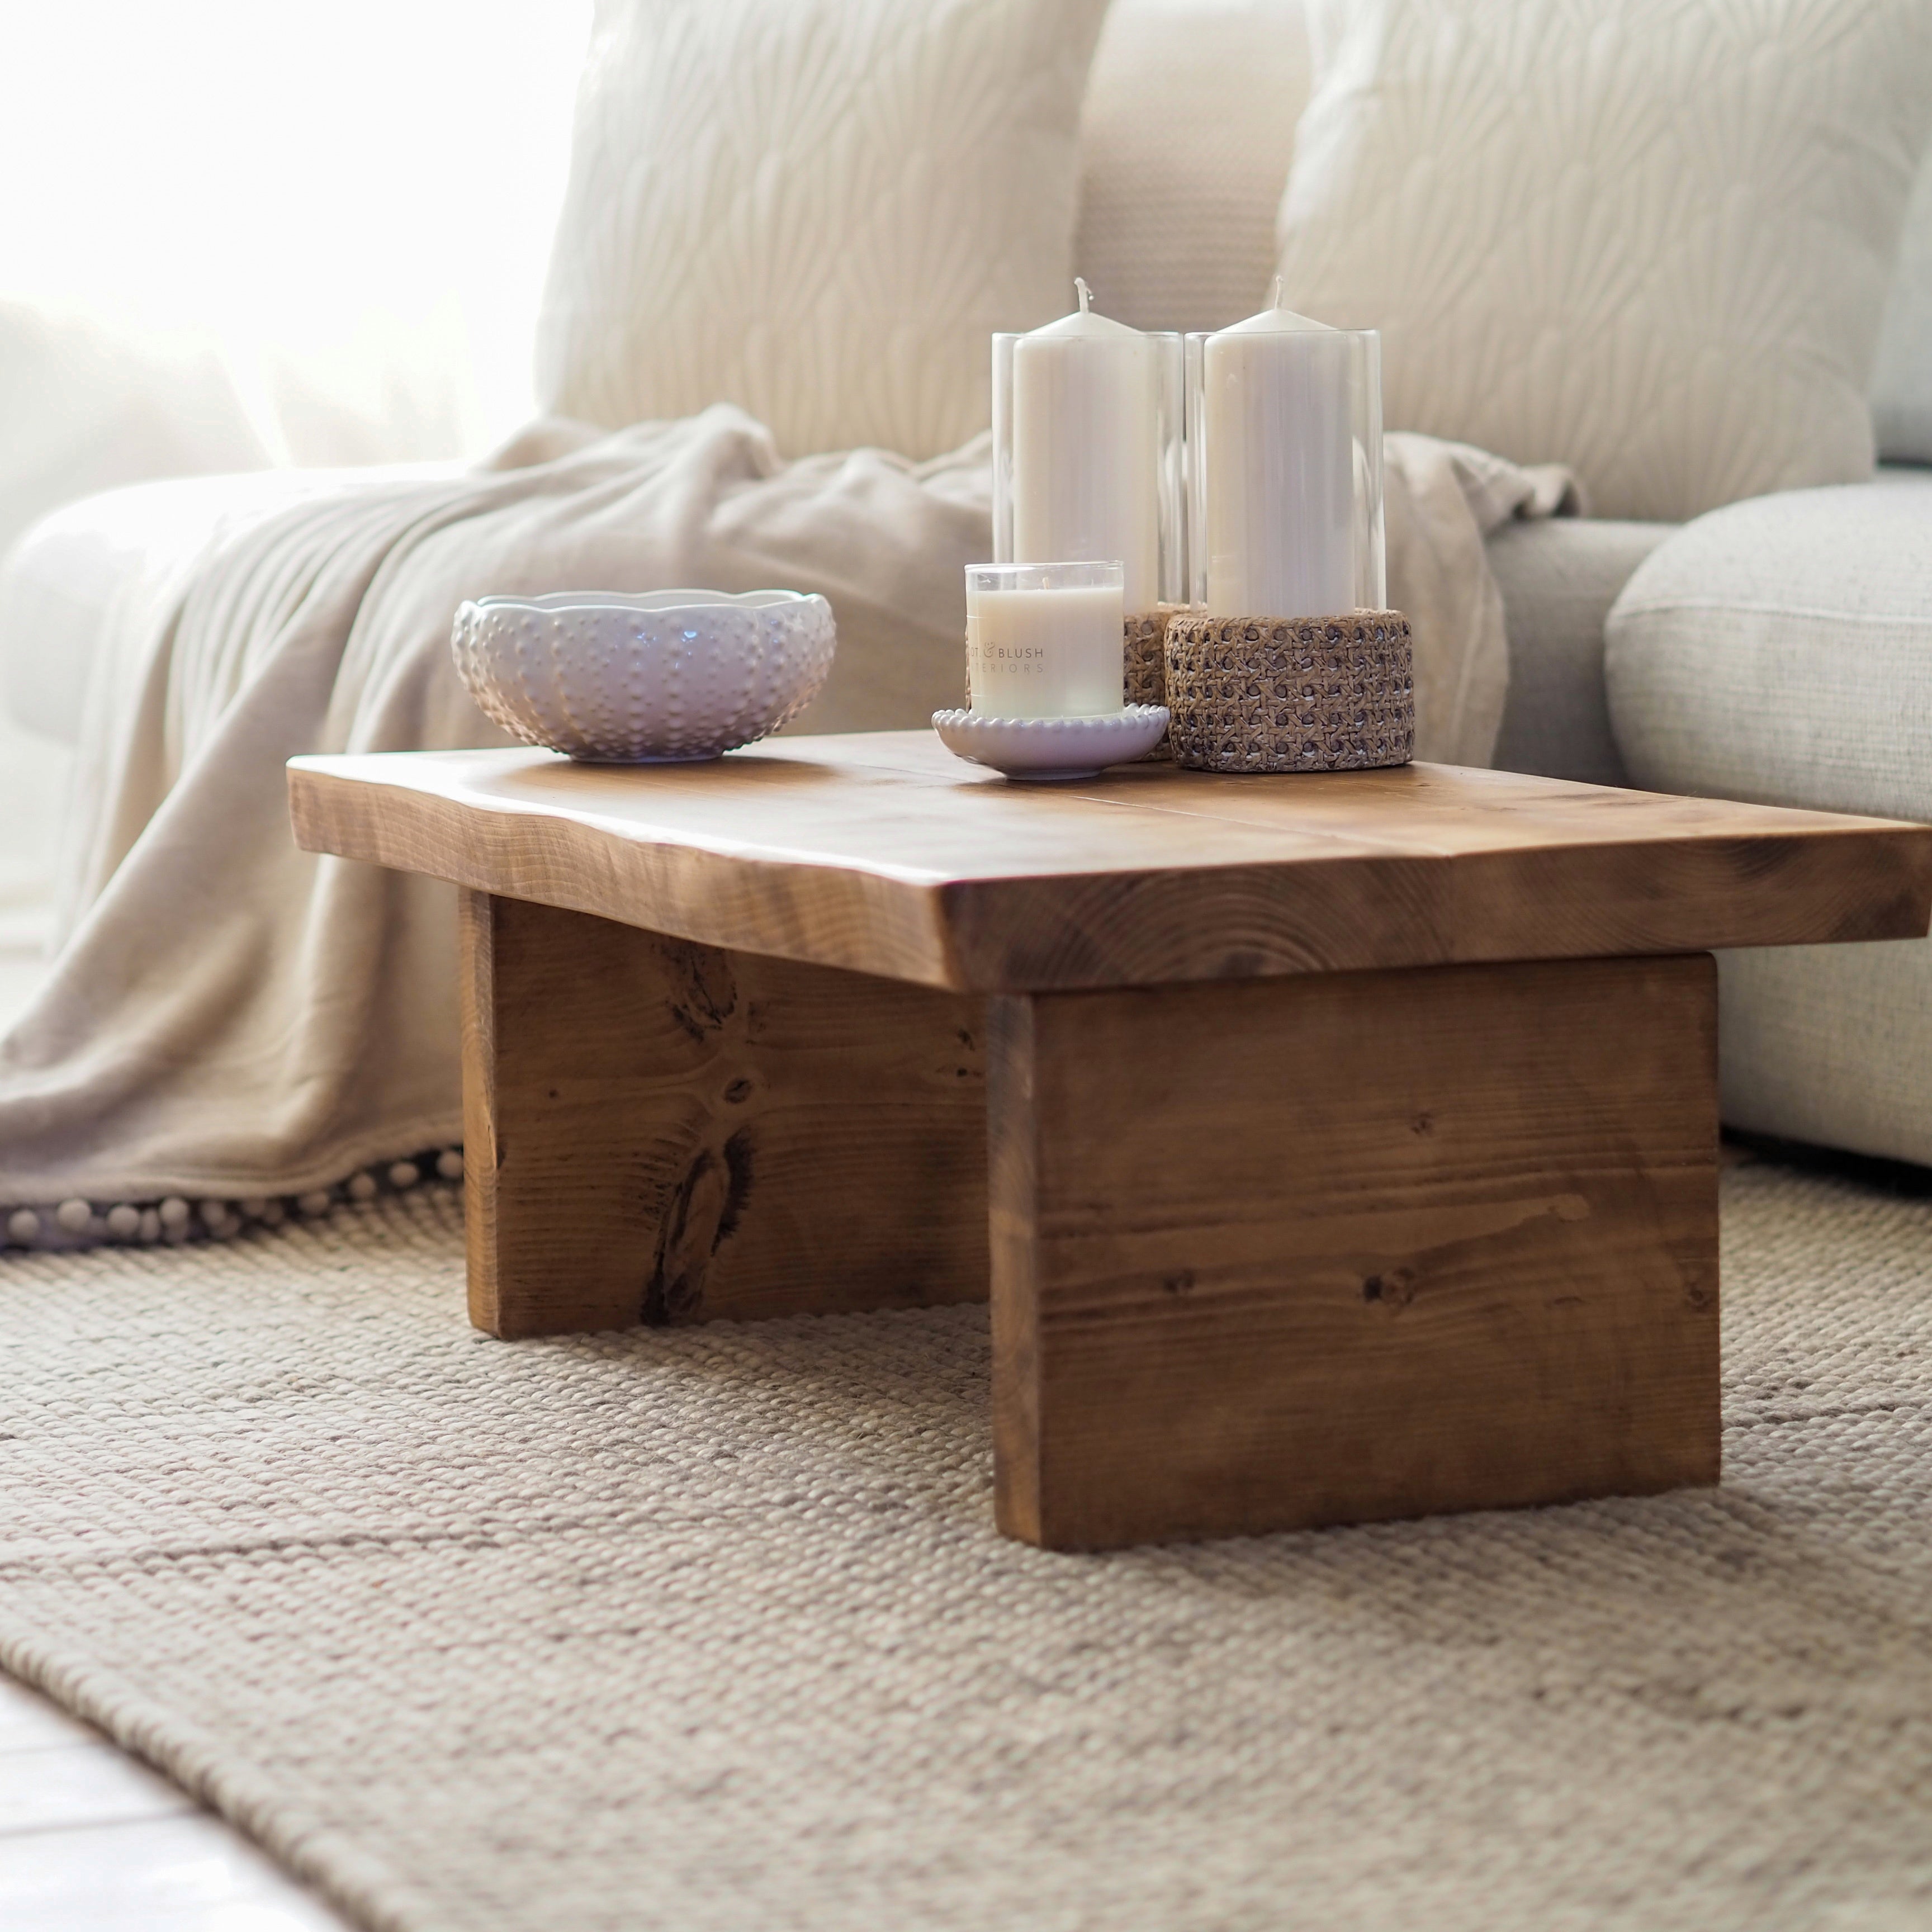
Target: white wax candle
[(1044, 653), (1280, 468), (1086, 449)]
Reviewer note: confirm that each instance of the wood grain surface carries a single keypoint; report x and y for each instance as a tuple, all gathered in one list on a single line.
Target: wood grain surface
[(883, 854), (660, 1131), (1331, 1249)]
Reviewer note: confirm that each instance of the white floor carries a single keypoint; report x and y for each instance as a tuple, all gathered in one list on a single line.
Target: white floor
[(91, 1841)]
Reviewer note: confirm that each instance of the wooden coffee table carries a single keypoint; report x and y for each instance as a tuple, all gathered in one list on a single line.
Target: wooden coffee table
[(1336, 1148)]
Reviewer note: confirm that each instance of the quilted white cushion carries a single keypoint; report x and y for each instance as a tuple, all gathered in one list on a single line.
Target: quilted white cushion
[(1902, 388), (818, 209), (1185, 141), (1648, 238)]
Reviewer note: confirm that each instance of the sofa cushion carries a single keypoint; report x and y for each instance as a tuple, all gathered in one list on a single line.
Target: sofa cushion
[(1650, 239), (1902, 384), (816, 209), (1559, 576), (1185, 140), (1781, 650)]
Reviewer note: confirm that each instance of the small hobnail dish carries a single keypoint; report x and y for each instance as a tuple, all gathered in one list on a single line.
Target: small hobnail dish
[(1052, 747), (665, 676)]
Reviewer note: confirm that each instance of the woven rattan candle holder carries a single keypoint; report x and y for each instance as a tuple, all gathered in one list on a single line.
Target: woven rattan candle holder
[(1144, 664), (1290, 694)]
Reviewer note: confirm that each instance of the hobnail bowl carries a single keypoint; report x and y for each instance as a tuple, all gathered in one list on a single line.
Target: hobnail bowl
[(663, 675)]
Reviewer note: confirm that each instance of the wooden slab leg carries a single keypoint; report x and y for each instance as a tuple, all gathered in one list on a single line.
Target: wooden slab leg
[(1334, 1249), (660, 1131)]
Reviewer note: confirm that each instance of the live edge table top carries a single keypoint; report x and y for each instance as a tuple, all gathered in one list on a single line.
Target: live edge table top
[(883, 854)]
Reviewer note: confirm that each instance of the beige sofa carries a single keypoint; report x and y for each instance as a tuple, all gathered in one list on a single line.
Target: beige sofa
[(1820, 700)]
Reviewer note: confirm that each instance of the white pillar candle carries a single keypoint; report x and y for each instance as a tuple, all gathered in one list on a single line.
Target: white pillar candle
[(1086, 449), (1044, 641), (1280, 468)]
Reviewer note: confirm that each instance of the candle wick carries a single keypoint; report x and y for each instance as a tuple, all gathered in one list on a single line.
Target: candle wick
[(1086, 294), (1274, 295)]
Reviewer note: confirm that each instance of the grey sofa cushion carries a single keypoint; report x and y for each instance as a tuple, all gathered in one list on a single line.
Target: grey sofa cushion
[(1781, 650), (1559, 578), (1901, 391)]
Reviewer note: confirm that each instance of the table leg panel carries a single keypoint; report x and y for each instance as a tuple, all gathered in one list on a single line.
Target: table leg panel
[(664, 1132), (1352, 1246)]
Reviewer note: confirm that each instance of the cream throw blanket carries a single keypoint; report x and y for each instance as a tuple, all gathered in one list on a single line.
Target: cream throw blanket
[(230, 1017)]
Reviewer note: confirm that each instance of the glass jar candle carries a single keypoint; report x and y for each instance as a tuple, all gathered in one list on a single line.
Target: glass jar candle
[(1044, 640)]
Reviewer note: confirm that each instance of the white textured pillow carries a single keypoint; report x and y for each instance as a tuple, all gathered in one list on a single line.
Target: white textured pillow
[(1185, 141), (1902, 386), (818, 209), (1648, 238)]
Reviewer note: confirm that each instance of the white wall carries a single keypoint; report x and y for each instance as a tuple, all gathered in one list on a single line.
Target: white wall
[(350, 200), (244, 232)]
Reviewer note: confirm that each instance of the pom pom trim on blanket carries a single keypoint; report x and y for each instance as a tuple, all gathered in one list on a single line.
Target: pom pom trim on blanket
[(174, 1219)]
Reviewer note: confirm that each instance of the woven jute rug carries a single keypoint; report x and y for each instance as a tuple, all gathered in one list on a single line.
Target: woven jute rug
[(710, 1628)]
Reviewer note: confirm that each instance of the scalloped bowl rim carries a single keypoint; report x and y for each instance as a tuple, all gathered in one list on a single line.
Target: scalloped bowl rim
[(657, 602)]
